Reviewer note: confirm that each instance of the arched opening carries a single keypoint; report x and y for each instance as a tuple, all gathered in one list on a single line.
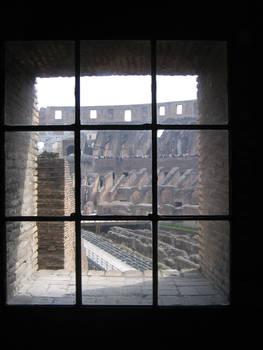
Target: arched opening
[(70, 150), (88, 149)]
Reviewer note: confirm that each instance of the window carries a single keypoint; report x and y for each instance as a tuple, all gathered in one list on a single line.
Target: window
[(142, 217), (110, 113), (93, 114), (58, 114), (162, 110), (127, 115), (179, 109)]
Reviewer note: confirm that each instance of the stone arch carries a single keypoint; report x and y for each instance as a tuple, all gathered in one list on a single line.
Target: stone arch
[(166, 196), (70, 149), (136, 197), (148, 197)]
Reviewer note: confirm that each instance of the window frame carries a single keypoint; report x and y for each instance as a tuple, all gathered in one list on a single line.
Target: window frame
[(77, 217)]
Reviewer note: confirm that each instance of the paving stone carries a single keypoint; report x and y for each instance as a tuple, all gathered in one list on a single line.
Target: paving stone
[(94, 292), (71, 290), (25, 288), (96, 273), (113, 273), (19, 299), (206, 290), (127, 300), (170, 291), (133, 273), (38, 289), (42, 300), (148, 273), (147, 285), (168, 283), (89, 300), (132, 290), (189, 290), (201, 300), (44, 273), (189, 282), (125, 289), (56, 290), (133, 281), (115, 280), (190, 273), (166, 273), (65, 301), (170, 300)]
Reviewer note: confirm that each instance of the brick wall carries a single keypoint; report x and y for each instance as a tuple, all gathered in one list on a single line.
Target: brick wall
[(21, 175), (55, 197), (56, 240), (213, 171)]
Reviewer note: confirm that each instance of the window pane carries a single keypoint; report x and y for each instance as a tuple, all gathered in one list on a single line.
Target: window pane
[(193, 260), (40, 82), (40, 262), (192, 82), (115, 83), (116, 172), (118, 266), (39, 173), (193, 172)]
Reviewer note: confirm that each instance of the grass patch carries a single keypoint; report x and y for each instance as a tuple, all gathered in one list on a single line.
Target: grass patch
[(180, 227)]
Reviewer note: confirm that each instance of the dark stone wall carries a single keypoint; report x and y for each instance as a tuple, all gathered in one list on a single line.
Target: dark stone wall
[(214, 170)]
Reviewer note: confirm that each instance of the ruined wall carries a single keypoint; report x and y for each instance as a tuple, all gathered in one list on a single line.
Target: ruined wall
[(116, 114), (56, 240), (21, 175), (213, 170), (104, 165)]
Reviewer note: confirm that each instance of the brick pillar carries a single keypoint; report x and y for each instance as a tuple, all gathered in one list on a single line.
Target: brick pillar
[(56, 240)]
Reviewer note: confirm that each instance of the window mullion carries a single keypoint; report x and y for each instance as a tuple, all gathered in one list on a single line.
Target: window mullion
[(77, 175), (154, 176)]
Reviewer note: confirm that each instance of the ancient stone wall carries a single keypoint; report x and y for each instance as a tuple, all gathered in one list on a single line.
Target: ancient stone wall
[(131, 192), (56, 240), (116, 114), (213, 170), (105, 165), (21, 175)]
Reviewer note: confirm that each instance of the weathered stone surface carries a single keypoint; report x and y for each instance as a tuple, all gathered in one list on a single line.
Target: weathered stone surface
[(213, 191), (56, 240)]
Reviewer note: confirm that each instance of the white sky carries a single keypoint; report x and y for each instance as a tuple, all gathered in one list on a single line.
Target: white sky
[(114, 90)]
